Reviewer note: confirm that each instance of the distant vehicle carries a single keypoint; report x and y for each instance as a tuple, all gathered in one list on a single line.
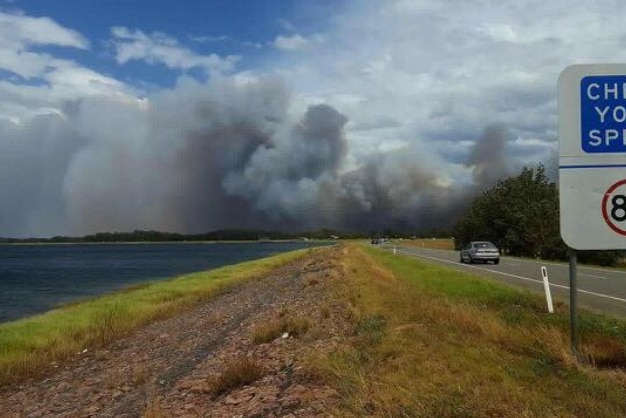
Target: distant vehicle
[(480, 251)]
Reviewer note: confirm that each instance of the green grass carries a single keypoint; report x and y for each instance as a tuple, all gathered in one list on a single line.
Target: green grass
[(32, 345), (430, 341), (513, 305)]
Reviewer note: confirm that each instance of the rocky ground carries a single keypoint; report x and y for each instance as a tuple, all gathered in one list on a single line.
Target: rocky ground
[(169, 368)]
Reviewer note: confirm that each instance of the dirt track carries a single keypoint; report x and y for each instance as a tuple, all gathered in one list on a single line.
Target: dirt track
[(165, 368)]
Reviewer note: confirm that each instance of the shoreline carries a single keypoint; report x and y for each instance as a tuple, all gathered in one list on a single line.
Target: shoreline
[(171, 365), (285, 241), (39, 278)]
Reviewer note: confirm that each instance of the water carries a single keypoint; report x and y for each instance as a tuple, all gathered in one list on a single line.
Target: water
[(37, 278)]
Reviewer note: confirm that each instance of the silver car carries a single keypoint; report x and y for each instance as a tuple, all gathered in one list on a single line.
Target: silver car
[(480, 251)]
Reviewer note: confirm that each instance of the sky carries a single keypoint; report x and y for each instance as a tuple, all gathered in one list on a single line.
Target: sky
[(285, 114)]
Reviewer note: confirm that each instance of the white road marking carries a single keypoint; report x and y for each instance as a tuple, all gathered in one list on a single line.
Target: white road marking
[(592, 275), (515, 276)]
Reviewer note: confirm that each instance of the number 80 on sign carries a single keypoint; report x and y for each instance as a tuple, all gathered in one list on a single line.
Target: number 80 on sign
[(614, 207)]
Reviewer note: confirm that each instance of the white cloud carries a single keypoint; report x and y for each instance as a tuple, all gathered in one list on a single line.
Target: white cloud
[(74, 81), (250, 44), (23, 63), (160, 48), (443, 71), (286, 25), (64, 83), (290, 43), (205, 39), (28, 30), (50, 82), (19, 34)]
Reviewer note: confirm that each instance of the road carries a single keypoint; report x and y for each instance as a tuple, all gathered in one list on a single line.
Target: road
[(599, 289)]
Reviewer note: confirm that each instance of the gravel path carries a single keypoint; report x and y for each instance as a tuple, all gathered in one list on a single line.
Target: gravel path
[(165, 369)]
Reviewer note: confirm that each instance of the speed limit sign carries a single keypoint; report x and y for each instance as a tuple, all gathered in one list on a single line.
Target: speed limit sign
[(592, 156), (614, 207)]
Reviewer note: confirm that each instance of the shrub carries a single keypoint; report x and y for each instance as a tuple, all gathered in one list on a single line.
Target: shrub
[(237, 373)]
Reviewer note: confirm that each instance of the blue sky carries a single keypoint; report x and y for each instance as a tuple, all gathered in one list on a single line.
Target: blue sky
[(126, 114), (243, 28)]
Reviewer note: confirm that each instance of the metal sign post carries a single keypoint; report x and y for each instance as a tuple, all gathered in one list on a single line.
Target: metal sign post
[(573, 296)]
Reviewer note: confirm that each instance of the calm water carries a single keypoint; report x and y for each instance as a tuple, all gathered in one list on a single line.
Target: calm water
[(37, 278)]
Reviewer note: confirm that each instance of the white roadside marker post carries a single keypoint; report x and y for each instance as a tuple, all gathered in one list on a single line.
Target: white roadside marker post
[(546, 288), (394, 250)]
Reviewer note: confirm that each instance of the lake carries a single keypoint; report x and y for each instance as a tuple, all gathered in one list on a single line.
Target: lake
[(37, 278)]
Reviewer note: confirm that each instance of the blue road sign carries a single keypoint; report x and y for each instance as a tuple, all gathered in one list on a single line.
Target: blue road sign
[(603, 113)]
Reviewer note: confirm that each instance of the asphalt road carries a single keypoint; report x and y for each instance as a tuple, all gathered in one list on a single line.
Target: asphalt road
[(599, 289)]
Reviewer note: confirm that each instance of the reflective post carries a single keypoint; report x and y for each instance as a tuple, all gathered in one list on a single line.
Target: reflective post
[(573, 294), (546, 288)]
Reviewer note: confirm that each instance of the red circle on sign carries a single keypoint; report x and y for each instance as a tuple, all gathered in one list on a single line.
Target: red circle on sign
[(605, 215)]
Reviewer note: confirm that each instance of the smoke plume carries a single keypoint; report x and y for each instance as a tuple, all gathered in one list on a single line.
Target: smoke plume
[(225, 155)]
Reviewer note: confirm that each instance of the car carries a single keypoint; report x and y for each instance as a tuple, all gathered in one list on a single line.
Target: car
[(480, 251)]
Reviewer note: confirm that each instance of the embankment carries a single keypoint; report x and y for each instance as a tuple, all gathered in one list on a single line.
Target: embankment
[(345, 331)]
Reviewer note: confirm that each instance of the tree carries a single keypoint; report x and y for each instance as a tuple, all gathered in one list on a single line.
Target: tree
[(519, 214)]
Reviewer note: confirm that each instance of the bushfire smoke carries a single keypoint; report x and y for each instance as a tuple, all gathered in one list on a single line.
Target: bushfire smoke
[(225, 155)]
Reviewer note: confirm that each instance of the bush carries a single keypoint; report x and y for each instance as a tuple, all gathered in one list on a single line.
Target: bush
[(237, 373)]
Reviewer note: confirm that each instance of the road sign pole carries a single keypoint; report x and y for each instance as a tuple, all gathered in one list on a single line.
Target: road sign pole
[(573, 294), (592, 157)]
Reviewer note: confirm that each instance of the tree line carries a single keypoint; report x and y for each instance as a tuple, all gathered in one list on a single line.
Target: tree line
[(520, 215), (218, 235)]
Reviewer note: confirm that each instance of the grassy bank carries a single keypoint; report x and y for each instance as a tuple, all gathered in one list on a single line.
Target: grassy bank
[(431, 243), (428, 341), (32, 345)]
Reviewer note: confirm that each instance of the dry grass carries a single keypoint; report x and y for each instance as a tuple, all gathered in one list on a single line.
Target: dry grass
[(325, 311), (115, 379), (427, 341), (136, 376), (236, 373), (431, 243), (139, 375), (296, 326), (269, 331), (101, 354), (153, 408)]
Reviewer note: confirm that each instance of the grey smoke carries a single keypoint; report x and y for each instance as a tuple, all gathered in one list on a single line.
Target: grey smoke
[(224, 155), (287, 177), (34, 160), (488, 158)]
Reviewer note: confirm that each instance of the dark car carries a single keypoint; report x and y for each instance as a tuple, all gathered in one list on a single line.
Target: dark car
[(480, 251)]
